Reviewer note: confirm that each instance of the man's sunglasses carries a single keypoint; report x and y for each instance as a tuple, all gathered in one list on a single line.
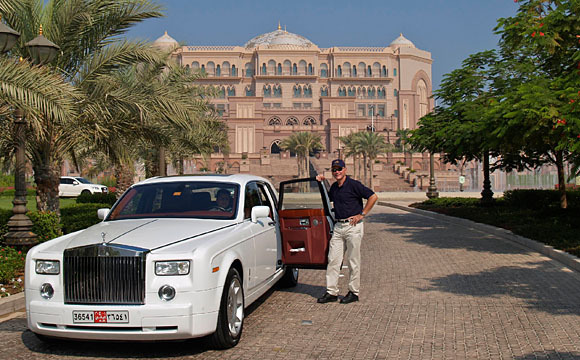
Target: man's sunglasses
[(339, 168)]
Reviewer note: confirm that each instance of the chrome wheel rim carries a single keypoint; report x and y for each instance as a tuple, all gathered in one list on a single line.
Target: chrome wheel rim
[(235, 310)]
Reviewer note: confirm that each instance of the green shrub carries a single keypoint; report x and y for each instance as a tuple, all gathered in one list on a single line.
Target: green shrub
[(11, 261), (46, 225), (446, 202), (540, 199), (30, 191), (108, 181), (99, 198), (79, 216), (4, 217)]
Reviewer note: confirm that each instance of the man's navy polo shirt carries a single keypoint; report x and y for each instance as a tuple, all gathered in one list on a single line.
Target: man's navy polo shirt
[(348, 197)]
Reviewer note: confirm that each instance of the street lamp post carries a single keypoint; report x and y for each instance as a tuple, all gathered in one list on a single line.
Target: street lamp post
[(19, 226), (432, 189)]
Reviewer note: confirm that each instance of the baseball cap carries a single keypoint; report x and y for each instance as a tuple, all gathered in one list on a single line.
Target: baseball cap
[(338, 162)]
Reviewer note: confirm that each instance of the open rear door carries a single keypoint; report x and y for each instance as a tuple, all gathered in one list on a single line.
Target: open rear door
[(306, 223)]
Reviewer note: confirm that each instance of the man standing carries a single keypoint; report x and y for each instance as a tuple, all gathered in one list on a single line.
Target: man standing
[(347, 195)]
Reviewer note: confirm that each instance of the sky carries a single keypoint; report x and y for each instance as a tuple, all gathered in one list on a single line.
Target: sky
[(450, 29)]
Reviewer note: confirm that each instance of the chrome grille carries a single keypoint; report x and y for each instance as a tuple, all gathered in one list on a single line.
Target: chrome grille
[(104, 274)]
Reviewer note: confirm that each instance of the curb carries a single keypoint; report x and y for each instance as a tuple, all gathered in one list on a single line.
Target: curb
[(566, 259), (12, 304)]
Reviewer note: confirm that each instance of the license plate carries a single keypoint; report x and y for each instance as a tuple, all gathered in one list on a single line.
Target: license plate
[(100, 317)]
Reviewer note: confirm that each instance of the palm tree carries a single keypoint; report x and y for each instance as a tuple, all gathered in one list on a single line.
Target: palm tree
[(87, 32), (302, 143), (351, 148), (371, 144), (403, 140)]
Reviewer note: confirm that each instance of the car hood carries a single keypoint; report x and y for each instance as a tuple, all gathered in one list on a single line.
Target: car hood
[(147, 234)]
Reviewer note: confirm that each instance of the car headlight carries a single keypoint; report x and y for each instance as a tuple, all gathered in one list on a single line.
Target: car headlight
[(179, 267), (48, 267)]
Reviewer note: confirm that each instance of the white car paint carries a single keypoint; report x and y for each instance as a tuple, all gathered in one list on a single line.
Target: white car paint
[(212, 247)]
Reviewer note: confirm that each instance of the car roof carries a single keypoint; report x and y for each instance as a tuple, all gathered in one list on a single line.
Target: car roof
[(233, 178)]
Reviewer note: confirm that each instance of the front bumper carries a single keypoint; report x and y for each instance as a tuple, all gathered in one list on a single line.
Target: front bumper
[(172, 320)]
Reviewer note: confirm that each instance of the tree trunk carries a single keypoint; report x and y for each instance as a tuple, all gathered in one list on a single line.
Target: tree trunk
[(365, 169), (354, 165), (124, 174), (47, 179), (162, 162), (371, 173), (561, 179)]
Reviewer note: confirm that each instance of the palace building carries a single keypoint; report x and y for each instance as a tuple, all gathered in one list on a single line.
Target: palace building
[(279, 83)]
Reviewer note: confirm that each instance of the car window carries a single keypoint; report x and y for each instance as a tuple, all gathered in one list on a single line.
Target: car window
[(83, 180), (177, 200), (265, 199), (252, 195), (66, 181), (302, 195)]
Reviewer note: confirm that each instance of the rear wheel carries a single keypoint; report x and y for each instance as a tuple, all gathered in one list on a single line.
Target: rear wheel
[(231, 314), (290, 278)]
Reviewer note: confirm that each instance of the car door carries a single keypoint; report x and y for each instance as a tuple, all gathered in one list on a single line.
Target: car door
[(264, 233), (65, 187), (306, 223)]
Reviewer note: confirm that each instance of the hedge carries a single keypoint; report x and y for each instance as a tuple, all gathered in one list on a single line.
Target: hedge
[(98, 198), (540, 199), (79, 216)]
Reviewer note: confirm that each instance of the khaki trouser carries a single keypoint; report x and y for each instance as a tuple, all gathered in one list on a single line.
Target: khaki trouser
[(349, 237)]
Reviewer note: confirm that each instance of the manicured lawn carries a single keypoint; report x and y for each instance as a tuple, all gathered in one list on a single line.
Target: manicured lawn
[(548, 224), (6, 202)]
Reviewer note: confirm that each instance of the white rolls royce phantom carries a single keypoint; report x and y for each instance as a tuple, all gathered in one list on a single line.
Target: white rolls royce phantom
[(177, 257)]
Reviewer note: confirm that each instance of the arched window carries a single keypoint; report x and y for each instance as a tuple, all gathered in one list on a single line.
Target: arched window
[(297, 91), (187, 66), (279, 70), (274, 121), (249, 70), (267, 91), (351, 91), (294, 69), (218, 71), (310, 69), (323, 70), (302, 67), (395, 72), (292, 120), (309, 120), (324, 91), (376, 69), (339, 71), (364, 92), (249, 91), (395, 93), (231, 91), (287, 68), (307, 91), (342, 91), (347, 69), (195, 66), (210, 68), (354, 71), (203, 69), (271, 67), (264, 69), (277, 90), (221, 92), (369, 71), (371, 93), (226, 68), (234, 71), (385, 71), (275, 147), (382, 93), (423, 102), (362, 67)]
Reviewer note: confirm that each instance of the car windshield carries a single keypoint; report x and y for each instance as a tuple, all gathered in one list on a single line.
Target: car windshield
[(83, 180), (195, 199)]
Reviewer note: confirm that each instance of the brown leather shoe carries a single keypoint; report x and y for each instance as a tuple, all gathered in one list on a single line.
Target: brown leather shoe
[(327, 298), (350, 297)]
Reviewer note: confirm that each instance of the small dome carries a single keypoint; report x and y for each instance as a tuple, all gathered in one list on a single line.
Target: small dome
[(278, 37), (165, 41), (402, 41)]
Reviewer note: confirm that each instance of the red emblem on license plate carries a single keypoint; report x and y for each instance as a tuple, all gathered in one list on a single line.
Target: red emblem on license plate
[(100, 316)]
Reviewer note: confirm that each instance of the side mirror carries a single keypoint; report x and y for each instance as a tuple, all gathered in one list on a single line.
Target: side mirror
[(102, 213), (75, 182), (259, 212)]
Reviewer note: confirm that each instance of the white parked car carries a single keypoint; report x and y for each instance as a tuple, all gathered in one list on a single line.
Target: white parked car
[(72, 186), (177, 257)]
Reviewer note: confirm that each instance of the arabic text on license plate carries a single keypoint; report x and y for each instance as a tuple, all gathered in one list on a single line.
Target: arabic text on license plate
[(96, 317)]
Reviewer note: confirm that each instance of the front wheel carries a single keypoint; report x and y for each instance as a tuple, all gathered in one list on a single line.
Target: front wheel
[(231, 313), (290, 278)]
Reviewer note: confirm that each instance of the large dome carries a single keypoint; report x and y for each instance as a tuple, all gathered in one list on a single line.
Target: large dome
[(166, 42), (278, 37)]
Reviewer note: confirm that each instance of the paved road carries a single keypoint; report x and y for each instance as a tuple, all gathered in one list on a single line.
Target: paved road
[(430, 290)]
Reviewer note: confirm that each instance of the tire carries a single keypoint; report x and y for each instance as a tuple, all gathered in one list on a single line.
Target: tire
[(290, 278), (231, 313), (85, 192)]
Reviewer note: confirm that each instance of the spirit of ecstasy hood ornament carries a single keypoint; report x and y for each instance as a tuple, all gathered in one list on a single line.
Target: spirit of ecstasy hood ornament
[(103, 234)]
